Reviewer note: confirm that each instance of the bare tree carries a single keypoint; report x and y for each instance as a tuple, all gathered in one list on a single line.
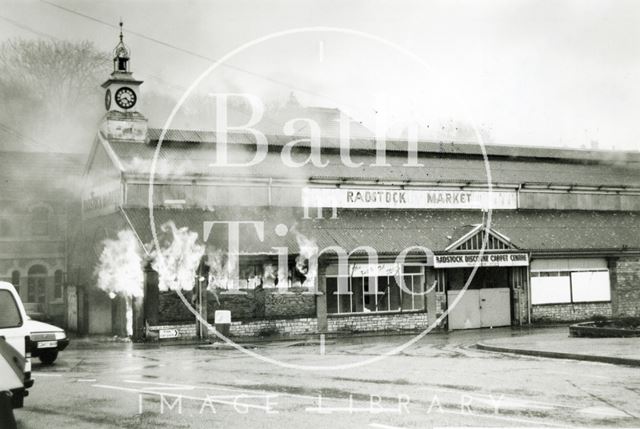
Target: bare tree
[(51, 91)]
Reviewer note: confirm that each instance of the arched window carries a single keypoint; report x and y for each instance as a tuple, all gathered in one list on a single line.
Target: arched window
[(37, 277), (57, 284), (40, 221), (5, 228), (15, 279)]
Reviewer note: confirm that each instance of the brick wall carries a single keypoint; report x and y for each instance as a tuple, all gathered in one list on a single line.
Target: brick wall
[(172, 310), (290, 304), (243, 305), (625, 286), (256, 304), (569, 312)]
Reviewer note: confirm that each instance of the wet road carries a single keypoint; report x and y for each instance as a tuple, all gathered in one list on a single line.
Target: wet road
[(440, 381)]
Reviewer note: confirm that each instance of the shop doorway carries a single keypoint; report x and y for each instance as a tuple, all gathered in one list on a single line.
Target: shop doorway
[(485, 303)]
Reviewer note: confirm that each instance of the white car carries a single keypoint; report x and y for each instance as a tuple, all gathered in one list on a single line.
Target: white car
[(45, 340), (15, 333)]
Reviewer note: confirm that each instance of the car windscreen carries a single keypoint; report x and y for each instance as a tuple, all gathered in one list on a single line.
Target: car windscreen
[(9, 312)]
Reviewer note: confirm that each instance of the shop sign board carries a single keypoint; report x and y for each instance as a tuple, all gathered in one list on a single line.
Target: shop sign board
[(408, 199), (377, 270), (102, 200), (487, 260)]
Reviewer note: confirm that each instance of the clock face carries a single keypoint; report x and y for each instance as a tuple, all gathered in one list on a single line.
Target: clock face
[(125, 97), (107, 99)]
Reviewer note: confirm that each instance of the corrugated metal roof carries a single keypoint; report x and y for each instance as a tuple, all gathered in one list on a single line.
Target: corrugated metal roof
[(439, 147), (389, 232), (196, 159)]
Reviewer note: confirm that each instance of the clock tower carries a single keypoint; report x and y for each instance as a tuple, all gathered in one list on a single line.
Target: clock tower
[(121, 100)]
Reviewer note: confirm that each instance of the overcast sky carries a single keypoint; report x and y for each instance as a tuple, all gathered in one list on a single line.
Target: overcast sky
[(550, 73)]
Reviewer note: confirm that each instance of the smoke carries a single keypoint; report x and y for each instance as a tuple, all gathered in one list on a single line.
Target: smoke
[(307, 259), (119, 268), (178, 258)]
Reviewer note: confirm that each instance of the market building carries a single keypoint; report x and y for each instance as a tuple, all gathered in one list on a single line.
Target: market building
[(542, 234)]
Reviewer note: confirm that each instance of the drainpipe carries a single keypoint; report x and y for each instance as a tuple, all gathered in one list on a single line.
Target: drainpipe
[(529, 291)]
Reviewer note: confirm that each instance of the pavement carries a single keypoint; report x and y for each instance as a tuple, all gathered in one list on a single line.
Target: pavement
[(556, 343)]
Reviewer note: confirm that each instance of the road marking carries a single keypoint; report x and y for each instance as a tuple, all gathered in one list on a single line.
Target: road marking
[(508, 419), (226, 389), (381, 426), (605, 412), (508, 400), (86, 380), (195, 398), (45, 374)]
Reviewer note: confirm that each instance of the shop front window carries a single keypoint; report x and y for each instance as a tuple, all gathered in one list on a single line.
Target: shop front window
[(57, 284), (565, 287), (252, 274), (37, 277), (377, 293)]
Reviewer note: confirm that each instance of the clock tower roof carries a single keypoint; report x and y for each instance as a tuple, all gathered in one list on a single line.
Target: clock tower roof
[(121, 56)]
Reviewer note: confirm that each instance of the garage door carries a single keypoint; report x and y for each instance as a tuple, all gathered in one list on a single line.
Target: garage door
[(480, 308)]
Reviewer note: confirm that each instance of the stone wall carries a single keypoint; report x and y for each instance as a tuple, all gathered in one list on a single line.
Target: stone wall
[(625, 286), (336, 324), (286, 327), (569, 312), (309, 325), (380, 322), (185, 330)]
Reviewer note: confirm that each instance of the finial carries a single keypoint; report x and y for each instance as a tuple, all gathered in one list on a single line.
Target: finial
[(121, 54)]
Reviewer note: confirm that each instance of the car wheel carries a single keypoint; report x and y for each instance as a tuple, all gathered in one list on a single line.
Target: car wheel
[(48, 357), (7, 419)]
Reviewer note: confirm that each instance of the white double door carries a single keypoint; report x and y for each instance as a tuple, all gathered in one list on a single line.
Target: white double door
[(479, 308)]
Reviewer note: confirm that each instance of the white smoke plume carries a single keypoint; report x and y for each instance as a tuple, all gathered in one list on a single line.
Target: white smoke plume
[(177, 261), (307, 259), (119, 269)]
